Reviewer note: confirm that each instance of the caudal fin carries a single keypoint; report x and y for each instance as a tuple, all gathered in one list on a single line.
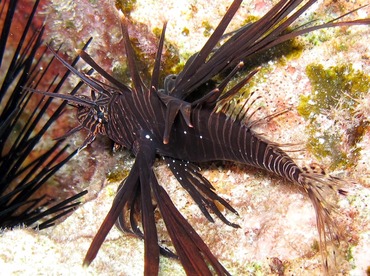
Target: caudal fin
[(323, 190)]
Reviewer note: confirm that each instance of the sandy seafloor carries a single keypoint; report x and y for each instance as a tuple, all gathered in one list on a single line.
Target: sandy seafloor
[(277, 221)]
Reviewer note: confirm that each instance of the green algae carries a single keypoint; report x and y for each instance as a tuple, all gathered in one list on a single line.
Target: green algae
[(69, 24), (126, 6), (317, 38), (120, 171), (315, 246), (336, 94), (329, 144), (288, 50), (330, 86), (349, 255), (250, 19), (185, 31), (117, 174), (255, 268), (208, 29), (157, 32), (120, 72)]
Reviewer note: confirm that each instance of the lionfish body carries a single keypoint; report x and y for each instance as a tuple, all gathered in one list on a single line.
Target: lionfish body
[(151, 121), (213, 136)]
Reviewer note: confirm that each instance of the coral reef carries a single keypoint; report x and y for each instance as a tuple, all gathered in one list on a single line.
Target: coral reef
[(277, 222)]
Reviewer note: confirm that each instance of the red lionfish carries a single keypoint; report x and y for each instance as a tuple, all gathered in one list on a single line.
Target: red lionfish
[(177, 123)]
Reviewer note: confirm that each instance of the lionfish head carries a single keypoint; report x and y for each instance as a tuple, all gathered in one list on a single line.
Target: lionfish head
[(92, 113), (92, 117)]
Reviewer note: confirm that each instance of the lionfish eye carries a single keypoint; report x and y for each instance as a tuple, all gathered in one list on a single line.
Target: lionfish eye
[(100, 115)]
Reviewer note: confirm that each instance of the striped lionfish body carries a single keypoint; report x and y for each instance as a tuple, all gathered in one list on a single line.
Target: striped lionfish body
[(154, 120)]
